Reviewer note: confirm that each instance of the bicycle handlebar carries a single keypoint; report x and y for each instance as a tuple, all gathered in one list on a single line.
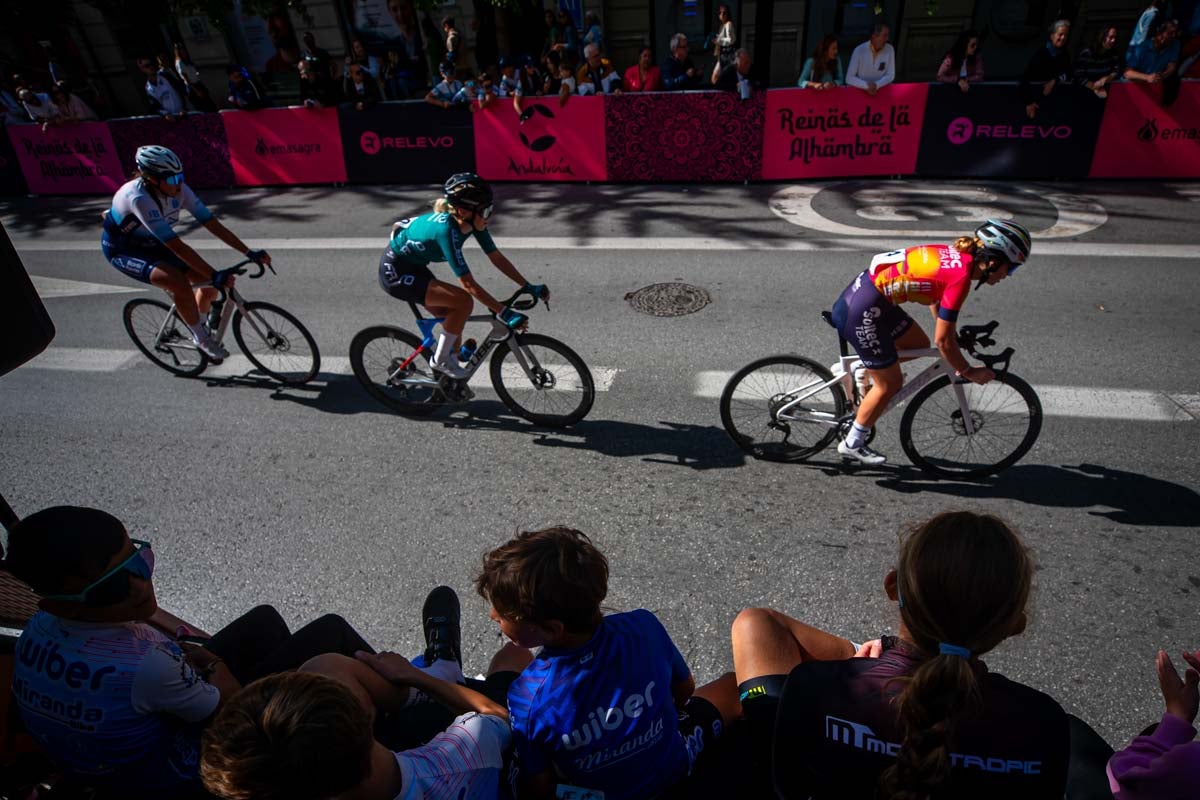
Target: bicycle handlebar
[(523, 305), (973, 336)]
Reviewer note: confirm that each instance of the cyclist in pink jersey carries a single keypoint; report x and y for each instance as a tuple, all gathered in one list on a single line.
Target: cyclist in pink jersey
[(868, 314)]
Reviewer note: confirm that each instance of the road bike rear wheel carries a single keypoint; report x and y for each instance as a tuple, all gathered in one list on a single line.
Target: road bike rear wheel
[(561, 391), (277, 343), (163, 337), (376, 356), (755, 396), (1006, 416)]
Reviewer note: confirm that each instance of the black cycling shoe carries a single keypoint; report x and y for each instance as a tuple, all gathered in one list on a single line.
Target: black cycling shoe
[(440, 618)]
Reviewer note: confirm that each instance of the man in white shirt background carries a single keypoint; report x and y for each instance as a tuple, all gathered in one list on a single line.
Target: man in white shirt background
[(873, 63)]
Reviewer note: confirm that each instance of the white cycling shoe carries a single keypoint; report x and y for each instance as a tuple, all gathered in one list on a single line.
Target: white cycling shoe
[(451, 370), (213, 349), (862, 454)]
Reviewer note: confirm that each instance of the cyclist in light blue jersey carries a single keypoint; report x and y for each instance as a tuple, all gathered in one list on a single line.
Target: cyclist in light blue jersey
[(439, 237), (139, 240)]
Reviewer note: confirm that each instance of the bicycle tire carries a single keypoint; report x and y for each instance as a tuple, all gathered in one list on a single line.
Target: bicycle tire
[(577, 387), (765, 385), (280, 356), (174, 351), (934, 438), (375, 353)]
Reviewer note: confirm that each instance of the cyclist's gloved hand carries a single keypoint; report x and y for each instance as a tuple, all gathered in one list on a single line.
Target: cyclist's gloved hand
[(539, 290), (513, 319), (223, 277), (259, 256)]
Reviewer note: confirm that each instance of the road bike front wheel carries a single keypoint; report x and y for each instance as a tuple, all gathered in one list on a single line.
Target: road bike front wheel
[(163, 337), (1006, 418), (276, 343), (758, 413), (378, 355), (558, 393)]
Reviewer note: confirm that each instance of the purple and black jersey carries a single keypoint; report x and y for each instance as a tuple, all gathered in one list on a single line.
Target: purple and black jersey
[(837, 730), (602, 716)]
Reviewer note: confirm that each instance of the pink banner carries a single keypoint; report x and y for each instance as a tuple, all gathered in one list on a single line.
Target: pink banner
[(285, 145), (811, 133), (73, 159), (1141, 139), (545, 142)]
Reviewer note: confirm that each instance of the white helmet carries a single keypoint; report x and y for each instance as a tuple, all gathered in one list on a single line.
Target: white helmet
[(1007, 238), (157, 161)]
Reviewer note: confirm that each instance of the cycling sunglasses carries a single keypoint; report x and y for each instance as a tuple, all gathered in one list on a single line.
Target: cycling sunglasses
[(174, 180), (113, 586), (486, 211)]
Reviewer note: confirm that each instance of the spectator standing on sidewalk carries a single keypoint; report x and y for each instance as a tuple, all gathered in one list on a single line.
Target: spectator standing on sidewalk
[(593, 33), (243, 93), (10, 105), (679, 73), (320, 57), (736, 76), (444, 92), (1144, 28), (201, 99), (163, 97), (553, 34), (40, 108), (963, 64), (596, 72), (317, 89), (360, 91), (70, 105), (824, 69), (873, 63), (725, 43), (1099, 65), (569, 37), (643, 76), (453, 40), (1156, 59), (1049, 67)]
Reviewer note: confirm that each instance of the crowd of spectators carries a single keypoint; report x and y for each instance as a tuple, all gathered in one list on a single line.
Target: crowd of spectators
[(130, 701), (574, 61)]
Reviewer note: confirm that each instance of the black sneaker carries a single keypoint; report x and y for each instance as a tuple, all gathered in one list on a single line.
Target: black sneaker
[(440, 618)]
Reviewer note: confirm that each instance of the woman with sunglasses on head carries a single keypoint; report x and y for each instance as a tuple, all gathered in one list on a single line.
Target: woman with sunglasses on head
[(112, 697), (463, 212), (139, 240), (869, 317)]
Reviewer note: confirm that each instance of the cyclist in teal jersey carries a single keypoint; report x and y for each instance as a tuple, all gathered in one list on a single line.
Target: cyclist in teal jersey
[(439, 237)]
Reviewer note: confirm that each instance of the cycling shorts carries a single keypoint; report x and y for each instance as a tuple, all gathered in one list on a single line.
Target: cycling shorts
[(138, 260), (870, 323), (402, 280), (700, 726)]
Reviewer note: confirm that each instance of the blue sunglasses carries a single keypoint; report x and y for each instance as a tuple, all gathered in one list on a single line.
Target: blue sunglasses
[(113, 586), (174, 180)]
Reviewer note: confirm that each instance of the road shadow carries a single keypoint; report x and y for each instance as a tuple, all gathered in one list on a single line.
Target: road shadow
[(1130, 497)]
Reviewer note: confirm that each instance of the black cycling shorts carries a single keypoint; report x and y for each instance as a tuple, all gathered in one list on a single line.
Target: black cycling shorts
[(402, 280), (870, 323), (700, 726)]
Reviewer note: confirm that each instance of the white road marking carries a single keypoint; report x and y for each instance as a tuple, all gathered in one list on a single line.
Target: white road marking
[(90, 359), (48, 288), (1083, 402), (1188, 191), (860, 240), (1076, 215)]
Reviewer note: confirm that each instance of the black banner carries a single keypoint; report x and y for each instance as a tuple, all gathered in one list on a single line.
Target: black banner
[(410, 142), (986, 132), (12, 180)]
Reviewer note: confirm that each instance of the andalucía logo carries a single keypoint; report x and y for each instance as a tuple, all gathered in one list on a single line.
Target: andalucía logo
[(539, 143), (263, 149), (1149, 131)]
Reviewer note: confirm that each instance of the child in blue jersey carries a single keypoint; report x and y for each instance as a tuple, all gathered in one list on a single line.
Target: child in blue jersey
[(608, 704)]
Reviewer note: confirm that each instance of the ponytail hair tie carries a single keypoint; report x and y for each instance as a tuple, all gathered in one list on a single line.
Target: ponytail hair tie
[(953, 650)]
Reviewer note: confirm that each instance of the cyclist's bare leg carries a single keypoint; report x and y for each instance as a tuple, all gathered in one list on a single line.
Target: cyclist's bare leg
[(204, 298), (175, 283), (452, 303), (886, 382)]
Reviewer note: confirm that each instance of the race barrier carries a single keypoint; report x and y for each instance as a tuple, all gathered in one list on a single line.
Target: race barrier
[(843, 132), (407, 142), (987, 133), (78, 159), (711, 137), (1140, 138)]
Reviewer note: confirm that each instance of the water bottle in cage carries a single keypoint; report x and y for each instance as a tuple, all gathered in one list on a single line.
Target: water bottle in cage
[(467, 350)]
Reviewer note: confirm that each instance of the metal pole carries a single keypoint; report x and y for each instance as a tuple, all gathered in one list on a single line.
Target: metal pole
[(764, 21)]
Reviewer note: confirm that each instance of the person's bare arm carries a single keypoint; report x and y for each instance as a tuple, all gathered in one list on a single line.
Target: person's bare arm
[(501, 262), (479, 293), (190, 257), (228, 237), (170, 624), (397, 670)]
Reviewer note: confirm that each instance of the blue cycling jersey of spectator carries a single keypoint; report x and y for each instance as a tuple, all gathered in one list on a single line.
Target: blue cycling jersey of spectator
[(443, 93)]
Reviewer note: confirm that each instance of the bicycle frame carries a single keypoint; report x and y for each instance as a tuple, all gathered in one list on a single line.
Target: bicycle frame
[(848, 364), (235, 301)]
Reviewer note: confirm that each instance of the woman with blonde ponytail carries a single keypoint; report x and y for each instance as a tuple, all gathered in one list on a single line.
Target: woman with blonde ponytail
[(915, 716)]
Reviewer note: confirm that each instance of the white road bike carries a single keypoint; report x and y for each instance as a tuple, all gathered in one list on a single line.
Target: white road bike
[(788, 408)]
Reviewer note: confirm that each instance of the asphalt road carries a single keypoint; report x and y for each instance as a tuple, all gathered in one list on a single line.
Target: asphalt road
[(317, 499)]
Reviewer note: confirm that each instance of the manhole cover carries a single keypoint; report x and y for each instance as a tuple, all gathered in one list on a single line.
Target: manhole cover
[(669, 299)]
